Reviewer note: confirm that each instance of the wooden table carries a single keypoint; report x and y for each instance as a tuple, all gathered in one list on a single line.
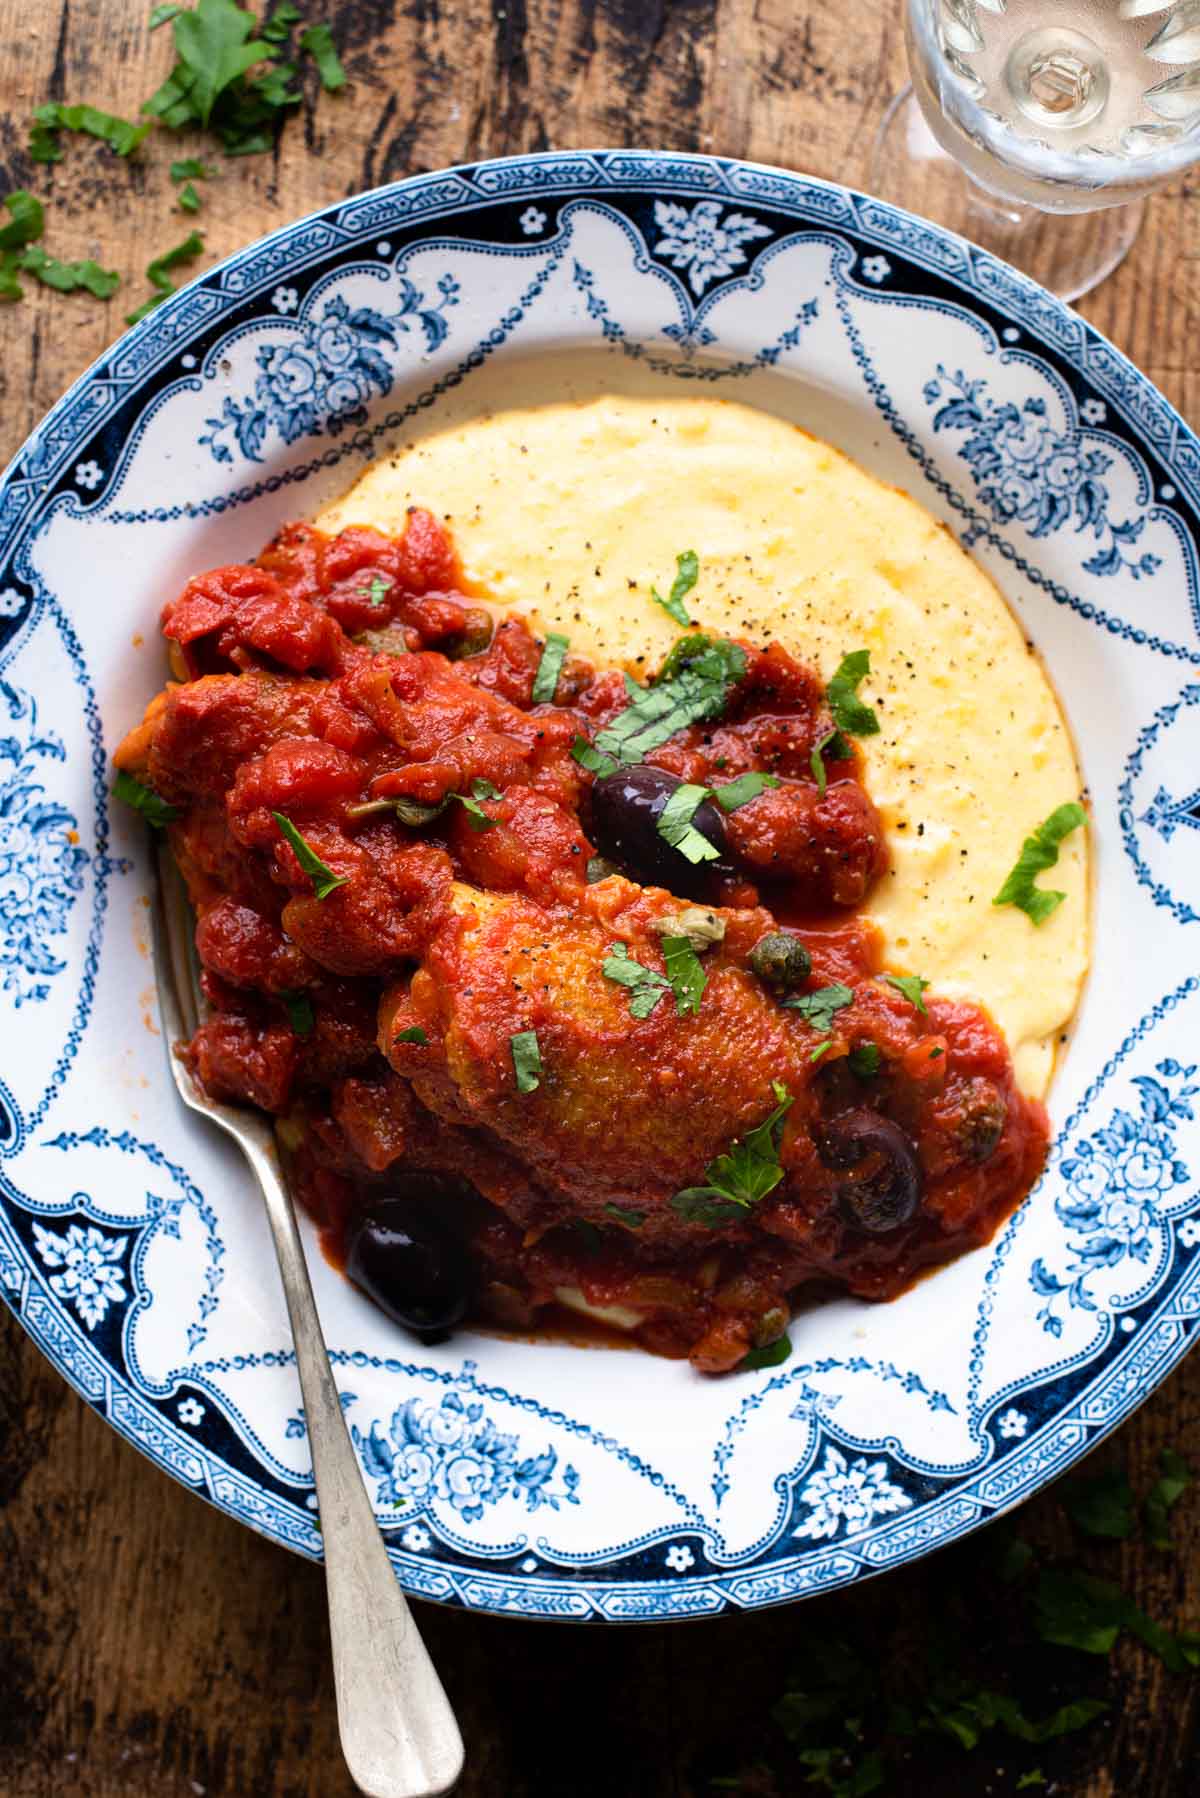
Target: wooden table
[(147, 1643)]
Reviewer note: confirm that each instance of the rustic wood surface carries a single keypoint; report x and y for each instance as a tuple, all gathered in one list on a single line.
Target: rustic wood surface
[(149, 1644)]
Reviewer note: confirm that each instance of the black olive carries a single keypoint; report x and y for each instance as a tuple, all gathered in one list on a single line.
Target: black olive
[(881, 1182), (982, 1115), (404, 1258), (626, 808), (781, 961)]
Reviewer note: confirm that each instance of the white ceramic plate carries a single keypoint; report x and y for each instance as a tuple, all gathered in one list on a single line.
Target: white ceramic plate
[(540, 1478)]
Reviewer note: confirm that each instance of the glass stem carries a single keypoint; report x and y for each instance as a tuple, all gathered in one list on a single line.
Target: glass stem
[(1000, 217)]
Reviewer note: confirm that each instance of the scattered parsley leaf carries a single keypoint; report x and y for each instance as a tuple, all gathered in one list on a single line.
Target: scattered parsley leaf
[(159, 278), (693, 684), (632, 1220), (675, 825), (771, 1356), (279, 25), (477, 818), (851, 714), (687, 573), (215, 44), (1034, 1777), (545, 681), (864, 1061), (323, 878), (821, 1049), (1175, 1476), (162, 15), (67, 277), (1039, 852), (377, 591), (685, 974), (747, 1171), (834, 746), (414, 1034), (300, 1013), (26, 220), (155, 810), (741, 791), (1014, 1559), (317, 41), (912, 986), (526, 1060), (189, 199), (190, 170), (1077, 1610), (818, 1008), (589, 757), (646, 985), (1102, 1505), (49, 119)]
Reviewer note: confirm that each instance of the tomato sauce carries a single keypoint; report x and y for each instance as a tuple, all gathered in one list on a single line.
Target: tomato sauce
[(442, 890)]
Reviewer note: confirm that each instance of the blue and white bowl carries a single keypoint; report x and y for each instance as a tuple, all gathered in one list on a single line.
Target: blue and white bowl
[(539, 1478)]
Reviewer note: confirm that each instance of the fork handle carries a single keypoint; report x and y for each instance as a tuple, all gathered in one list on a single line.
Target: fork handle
[(399, 1734)]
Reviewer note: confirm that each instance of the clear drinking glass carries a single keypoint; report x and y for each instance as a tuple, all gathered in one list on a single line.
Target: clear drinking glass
[(1036, 127)]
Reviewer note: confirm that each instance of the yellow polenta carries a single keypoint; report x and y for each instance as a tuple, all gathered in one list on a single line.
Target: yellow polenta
[(571, 513)]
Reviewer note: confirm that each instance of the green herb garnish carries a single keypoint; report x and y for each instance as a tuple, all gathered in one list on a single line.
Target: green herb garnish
[(414, 1034), (189, 199), (747, 1171), (1039, 852), (143, 799), (51, 118), (545, 681), (65, 277), (741, 791), (1102, 1505), (676, 827), (317, 41), (323, 877), (693, 684), (771, 1356), (1175, 1476), (300, 1013), (159, 278), (646, 985), (190, 170), (687, 573), (477, 818), (632, 1220), (526, 1060), (378, 590), (818, 1008), (1078, 1610), (834, 745), (589, 757), (684, 972), (850, 713), (864, 1061), (912, 986)]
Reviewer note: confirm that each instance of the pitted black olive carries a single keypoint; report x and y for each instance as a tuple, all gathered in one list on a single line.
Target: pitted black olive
[(982, 1115), (404, 1258), (626, 808), (881, 1183)]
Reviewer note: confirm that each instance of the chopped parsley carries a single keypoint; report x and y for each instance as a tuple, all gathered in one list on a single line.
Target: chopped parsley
[(687, 573), (864, 1061), (676, 827), (377, 591), (1078, 1610), (1102, 1505), (300, 1013), (685, 974), (771, 1356), (545, 681), (741, 791), (693, 684), (157, 273), (1175, 1476), (48, 120), (821, 1049), (190, 170), (414, 1034), (741, 1177), (526, 1060), (477, 818), (317, 41), (589, 757), (912, 986), (323, 877), (850, 713), (65, 277), (632, 1220), (646, 985), (818, 1008), (834, 745), (155, 810), (26, 220), (1039, 852)]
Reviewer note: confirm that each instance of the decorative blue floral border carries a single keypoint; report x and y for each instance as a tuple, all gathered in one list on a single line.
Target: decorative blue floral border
[(856, 1507)]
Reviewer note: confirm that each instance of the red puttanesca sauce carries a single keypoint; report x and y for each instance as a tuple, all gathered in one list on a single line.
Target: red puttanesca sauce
[(351, 686)]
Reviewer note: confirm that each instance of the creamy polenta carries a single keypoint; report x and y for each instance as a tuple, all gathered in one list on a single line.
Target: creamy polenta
[(571, 513)]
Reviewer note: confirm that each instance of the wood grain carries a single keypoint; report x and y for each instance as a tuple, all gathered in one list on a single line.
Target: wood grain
[(148, 1644)]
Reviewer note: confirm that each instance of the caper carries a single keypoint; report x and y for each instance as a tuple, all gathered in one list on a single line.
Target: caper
[(600, 868), (780, 960), (474, 637)]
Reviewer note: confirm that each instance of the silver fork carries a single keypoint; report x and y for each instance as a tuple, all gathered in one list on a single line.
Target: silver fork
[(399, 1735)]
